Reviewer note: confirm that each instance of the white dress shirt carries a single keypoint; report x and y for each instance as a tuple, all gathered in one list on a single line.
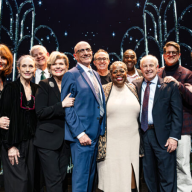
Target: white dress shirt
[(38, 75), (86, 69), (131, 78)]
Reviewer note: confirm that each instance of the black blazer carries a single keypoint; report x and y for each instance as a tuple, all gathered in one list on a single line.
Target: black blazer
[(50, 126), (167, 110)]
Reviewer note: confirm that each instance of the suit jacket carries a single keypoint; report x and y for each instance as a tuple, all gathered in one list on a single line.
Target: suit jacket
[(85, 114), (167, 110), (184, 75), (50, 114)]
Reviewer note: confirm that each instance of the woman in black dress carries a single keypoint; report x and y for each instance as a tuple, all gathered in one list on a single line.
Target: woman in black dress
[(18, 152), (53, 152), (6, 62)]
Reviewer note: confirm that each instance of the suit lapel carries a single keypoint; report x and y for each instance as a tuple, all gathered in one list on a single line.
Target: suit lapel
[(83, 73), (159, 86), (54, 87), (178, 73)]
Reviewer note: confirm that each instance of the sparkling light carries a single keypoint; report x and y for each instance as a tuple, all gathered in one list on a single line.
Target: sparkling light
[(113, 34), (138, 4), (40, 3), (65, 33)]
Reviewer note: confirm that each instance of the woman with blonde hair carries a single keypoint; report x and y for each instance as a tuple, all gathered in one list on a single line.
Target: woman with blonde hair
[(53, 152)]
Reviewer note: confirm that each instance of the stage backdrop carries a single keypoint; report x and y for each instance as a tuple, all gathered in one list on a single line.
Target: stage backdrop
[(114, 25)]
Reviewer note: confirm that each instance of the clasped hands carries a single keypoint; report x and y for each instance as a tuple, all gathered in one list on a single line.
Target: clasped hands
[(4, 122)]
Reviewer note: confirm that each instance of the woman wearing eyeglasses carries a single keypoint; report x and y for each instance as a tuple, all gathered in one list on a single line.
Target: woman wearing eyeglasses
[(53, 152), (6, 62), (18, 104)]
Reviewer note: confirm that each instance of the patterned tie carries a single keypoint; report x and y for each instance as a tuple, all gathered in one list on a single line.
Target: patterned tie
[(42, 75), (144, 116), (96, 87)]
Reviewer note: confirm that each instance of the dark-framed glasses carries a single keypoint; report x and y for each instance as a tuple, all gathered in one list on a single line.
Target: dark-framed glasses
[(174, 53), (100, 59), (26, 107), (82, 50)]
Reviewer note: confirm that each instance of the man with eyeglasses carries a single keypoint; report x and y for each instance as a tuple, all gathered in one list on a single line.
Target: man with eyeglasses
[(130, 59), (85, 121), (101, 61), (180, 75)]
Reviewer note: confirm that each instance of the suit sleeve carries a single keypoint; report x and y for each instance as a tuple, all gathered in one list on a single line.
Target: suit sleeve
[(44, 111), (69, 86), (186, 94), (177, 112)]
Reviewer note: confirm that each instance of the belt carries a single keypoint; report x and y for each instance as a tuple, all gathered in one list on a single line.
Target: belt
[(151, 126)]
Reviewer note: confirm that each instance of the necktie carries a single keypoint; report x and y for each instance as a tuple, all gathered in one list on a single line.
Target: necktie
[(42, 75), (144, 116), (96, 87)]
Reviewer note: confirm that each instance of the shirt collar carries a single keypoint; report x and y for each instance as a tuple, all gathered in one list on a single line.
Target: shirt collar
[(39, 71), (86, 69), (134, 75), (154, 80)]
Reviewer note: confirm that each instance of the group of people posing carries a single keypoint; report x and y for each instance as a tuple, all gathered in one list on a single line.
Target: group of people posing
[(106, 121)]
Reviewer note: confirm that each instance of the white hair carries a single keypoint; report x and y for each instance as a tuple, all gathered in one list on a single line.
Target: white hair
[(151, 57), (37, 47)]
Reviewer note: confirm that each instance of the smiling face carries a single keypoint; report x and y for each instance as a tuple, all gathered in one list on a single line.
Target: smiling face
[(101, 61), (26, 68), (171, 56), (149, 68), (118, 75), (130, 59), (83, 53), (40, 58), (59, 68), (3, 63)]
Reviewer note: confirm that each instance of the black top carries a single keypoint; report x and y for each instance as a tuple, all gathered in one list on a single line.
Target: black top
[(51, 116), (22, 121), (170, 70), (105, 79)]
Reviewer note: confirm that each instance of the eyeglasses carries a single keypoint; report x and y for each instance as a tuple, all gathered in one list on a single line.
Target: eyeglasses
[(174, 53), (82, 50), (27, 108), (100, 59)]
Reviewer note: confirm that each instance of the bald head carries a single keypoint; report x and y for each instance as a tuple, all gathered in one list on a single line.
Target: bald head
[(83, 53)]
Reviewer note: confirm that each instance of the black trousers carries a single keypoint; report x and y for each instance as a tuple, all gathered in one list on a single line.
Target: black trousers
[(19, 178), (54, 164), (159, 166)]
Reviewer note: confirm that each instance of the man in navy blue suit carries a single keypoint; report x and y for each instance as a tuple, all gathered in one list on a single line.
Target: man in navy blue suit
[(161, 120), (85, 121)]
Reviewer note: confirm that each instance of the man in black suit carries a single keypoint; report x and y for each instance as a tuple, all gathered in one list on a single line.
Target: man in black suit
[(161, 123)]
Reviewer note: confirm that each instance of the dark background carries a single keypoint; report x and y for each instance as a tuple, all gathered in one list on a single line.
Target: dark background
[(102, 23)]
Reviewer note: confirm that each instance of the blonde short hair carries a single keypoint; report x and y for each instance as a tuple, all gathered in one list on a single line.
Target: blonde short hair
[(57, 55), (172, 43)]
